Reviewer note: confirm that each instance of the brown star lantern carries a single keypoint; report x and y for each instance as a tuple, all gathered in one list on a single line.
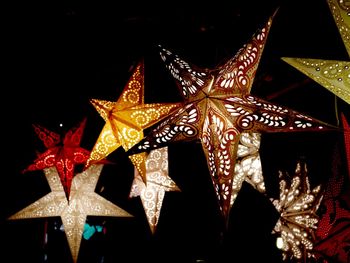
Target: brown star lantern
[(218, 108), (83, 202), (334, 75), (125, 120)]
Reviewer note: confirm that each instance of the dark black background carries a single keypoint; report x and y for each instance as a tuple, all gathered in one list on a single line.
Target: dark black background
[(57, 56)]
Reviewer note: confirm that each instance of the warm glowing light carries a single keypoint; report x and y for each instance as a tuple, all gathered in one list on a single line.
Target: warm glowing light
[(279, 243), (248, 164), (217, 110), (62, 153), (83, 202), (297, 206), (126, 119), (157, 183)]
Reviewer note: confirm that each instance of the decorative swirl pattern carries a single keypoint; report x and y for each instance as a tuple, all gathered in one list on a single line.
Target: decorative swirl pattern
[(248, 165), (132, 95), (141, 118), (252, 113), (238, 73), (131, 137), (297, 206), (157, 183), (107, 140), (184, 126), (83, 202), (48, 137), (217, 140), (190, 80)]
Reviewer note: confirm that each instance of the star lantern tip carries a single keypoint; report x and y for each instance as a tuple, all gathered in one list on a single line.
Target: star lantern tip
[(218, 108), (158, 182), (334, 75), (126, 118)]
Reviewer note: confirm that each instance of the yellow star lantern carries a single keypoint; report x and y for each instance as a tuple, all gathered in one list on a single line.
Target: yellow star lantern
[(332, 74), (218, 108), (125, 120), (83, 202), (158, 182)]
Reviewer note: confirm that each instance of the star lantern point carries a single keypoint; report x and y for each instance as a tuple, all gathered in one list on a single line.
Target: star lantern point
[(63, 153), (126, 119), (218, 108)]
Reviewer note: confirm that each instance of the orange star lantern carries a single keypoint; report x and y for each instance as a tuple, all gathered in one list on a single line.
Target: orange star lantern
[(334, 75), (63, 155), (125, 120), (217, 108), (83, 202), (158, 182)]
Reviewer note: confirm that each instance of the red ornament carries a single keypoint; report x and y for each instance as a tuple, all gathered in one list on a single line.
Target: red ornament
[(63, 154)]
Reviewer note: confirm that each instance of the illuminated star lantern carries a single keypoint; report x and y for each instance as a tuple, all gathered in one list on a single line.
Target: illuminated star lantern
[(62, 154), (218, 108), (83, 202), (157, 183), (346, 128), (248, 165), (331, 74), (125, 120), (297, 205), (332, 234)]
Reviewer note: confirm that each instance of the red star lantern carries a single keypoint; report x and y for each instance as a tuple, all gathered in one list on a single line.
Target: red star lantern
[(63, 154)]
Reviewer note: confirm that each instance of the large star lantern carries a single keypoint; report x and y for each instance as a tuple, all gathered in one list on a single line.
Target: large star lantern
[(217, 108), (297, 205), (125, 120), (63, 154), (83, 202), (157, 183), (334, 75)]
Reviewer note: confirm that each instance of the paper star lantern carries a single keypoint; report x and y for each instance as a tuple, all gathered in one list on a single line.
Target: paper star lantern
[(125, 120), (63, 154), (83, 202), (248, 165), (346, 128), (332, 74), (332, 235), (333, 231), (297, 205), (157, 183), (218, 108)]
